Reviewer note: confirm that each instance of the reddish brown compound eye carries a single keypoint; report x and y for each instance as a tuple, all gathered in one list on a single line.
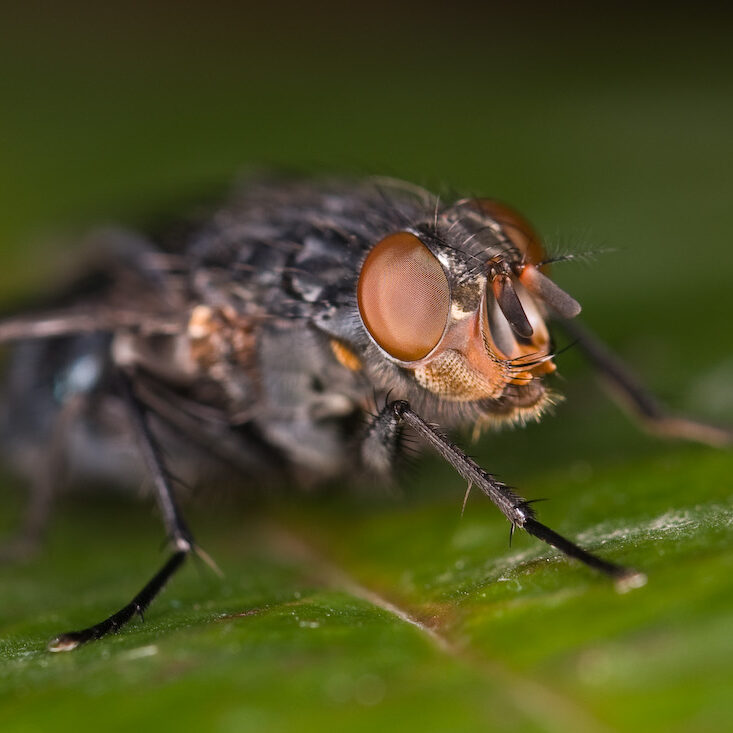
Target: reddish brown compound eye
[(517, 228), (404, 297)]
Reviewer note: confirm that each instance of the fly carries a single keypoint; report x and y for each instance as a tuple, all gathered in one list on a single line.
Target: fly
[(259, 336)]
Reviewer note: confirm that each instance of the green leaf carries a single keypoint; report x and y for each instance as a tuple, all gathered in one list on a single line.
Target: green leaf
[(354, 613)]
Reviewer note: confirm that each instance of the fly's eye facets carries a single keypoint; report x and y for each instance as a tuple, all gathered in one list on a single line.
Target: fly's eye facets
[(404, 297)]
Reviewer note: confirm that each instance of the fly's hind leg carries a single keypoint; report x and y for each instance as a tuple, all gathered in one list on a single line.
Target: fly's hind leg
[(632, 394), (516, 509), (176, 528)]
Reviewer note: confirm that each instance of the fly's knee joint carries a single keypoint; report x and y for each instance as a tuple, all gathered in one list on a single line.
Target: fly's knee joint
[(183, 544), (400, 407)]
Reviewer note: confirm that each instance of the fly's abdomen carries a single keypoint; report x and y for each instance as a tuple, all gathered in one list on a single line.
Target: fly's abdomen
[(57, 407)]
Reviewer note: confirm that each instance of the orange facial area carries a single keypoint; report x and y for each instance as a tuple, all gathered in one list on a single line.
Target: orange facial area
[(470, 365), (528, 356), (464, 369)]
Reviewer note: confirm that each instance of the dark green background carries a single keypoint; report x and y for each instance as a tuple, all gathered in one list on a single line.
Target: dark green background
[(611, 129)]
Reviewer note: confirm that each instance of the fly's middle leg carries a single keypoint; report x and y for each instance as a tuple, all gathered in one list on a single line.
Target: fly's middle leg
[(634, 396)]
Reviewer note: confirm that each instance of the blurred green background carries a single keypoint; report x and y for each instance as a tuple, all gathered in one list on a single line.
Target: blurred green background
[(611, 129)]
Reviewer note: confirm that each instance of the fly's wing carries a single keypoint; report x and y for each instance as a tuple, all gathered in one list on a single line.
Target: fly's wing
[(120, 280)]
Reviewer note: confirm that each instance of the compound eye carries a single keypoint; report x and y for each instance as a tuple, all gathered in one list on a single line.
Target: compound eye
[(516, 227), (404, 297)]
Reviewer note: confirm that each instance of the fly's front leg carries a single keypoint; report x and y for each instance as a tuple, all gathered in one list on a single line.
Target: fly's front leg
[(381, 444), (516, 509), (640, 401), (176, 528)]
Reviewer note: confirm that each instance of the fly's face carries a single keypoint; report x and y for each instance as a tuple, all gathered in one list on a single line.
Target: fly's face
[(461, 303)]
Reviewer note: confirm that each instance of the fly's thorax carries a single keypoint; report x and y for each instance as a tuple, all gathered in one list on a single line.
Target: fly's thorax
[(459, 304)]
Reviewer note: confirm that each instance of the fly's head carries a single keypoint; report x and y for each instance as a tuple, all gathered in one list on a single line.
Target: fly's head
[(460, 304)]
